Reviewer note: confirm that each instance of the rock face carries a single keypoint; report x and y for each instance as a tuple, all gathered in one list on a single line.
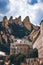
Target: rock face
[(27, 23), (18, 20), (5, 21), (15, 28)]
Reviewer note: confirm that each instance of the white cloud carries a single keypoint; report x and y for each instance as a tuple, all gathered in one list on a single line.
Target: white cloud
[(1, 15), (21, 7)]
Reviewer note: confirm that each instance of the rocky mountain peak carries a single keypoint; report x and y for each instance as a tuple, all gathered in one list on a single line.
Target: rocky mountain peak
[(18, 20), (26, 19), (11, 19), (5, 21), (4, 18), (27, 23)]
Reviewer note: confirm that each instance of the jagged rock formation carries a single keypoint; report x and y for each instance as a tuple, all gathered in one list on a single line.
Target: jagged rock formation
[(15, 28), (27, 23)]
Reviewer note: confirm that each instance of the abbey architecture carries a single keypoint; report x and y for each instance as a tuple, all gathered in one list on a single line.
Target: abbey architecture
[(18, 36)]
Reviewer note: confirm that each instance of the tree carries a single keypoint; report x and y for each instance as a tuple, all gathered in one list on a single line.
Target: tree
[(17, 59), (33, 54)]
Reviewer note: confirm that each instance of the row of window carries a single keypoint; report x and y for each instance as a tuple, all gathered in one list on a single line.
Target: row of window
[(20, 50)]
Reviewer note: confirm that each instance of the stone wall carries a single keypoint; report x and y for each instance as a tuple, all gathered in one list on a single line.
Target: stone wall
[(20, 48)]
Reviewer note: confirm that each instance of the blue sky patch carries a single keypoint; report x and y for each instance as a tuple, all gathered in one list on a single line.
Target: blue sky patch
[(41, 0), (3, 4), (32, 2)]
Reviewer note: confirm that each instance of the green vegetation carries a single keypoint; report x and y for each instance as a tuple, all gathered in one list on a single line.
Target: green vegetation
[(33, 54), (17, 59)]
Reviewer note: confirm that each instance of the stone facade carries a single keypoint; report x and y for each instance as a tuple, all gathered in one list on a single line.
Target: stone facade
[(20, 46)]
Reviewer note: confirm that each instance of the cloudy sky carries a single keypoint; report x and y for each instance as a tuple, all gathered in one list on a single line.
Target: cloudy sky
[(23, 8)]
